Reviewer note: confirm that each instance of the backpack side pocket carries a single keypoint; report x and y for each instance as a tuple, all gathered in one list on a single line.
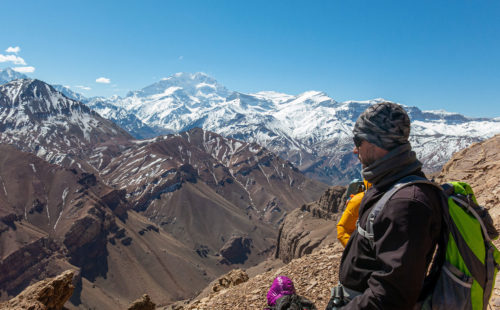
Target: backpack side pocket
[(453, 289)]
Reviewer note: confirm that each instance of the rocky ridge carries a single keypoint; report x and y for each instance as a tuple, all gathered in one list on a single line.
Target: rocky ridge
[(255, 188), (311, 226), (59, 217)]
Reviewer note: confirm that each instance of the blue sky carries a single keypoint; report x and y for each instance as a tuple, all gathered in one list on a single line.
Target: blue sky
[(429, 54)]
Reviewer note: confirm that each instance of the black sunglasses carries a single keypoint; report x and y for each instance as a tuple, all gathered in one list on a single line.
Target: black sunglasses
[(357, 141)]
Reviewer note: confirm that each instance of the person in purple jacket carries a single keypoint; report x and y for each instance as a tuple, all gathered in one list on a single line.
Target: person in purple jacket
[(282, 296)]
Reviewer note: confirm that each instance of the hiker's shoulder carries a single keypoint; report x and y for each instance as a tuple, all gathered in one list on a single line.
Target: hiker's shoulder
[(418, 194), (417, 191)]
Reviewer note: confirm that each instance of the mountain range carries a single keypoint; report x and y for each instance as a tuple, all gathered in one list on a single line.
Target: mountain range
[(311, 130), (130, 215)]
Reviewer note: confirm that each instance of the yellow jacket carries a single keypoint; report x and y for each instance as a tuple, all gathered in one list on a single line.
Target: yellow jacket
[(347, 223)]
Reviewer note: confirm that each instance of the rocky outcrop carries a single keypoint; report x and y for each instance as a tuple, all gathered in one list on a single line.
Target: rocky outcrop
[(116, 201), (143, 303), (49, 294), (310, 227), (232, 278), (86, 243), (328, 205), (236, 250), (21, 266)]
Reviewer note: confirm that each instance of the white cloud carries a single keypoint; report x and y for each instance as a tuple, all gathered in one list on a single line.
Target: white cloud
[(12, 58), (103, 80), (14, 50), (165, 78), (181, 57), (28, 69), (83, 87)]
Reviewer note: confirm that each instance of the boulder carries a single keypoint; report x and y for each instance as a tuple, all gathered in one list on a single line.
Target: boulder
[(48, 294), (232, 278), (143, 303)]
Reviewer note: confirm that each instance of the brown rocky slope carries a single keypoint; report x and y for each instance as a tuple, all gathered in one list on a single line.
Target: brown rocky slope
[(54, 219)]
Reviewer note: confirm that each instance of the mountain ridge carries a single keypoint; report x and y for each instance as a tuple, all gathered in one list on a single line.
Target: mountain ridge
[(311, 130)]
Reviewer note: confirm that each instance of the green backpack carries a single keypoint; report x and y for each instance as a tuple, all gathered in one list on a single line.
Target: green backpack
[(464, 274)]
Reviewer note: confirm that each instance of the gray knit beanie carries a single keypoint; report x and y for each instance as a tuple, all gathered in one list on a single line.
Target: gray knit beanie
[(385, 124)]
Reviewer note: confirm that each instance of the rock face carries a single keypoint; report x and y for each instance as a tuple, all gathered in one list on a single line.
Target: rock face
[(310, 227), (329, 204), (236, 250), (143, 303), (49, 294)]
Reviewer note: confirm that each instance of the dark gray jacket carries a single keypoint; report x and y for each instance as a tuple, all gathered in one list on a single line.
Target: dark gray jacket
[(391, 273)]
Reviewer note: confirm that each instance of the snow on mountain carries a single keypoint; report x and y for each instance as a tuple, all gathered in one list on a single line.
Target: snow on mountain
[(7, 75), (174, 101), (312, 130), (66, 91), (126, 120), (38, 119)]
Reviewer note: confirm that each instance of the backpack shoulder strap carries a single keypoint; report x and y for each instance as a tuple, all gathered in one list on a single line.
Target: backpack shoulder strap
[(380, 204)]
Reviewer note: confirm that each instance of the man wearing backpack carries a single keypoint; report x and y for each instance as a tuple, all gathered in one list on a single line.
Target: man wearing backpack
[(385, 267)]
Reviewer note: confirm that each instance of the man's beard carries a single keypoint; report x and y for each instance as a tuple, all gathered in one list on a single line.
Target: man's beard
[(368, 159)]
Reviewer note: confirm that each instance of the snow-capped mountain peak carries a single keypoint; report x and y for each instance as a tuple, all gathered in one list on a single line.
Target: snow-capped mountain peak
[(37, 118), (8, 74), (183, 85), (37, 96)]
